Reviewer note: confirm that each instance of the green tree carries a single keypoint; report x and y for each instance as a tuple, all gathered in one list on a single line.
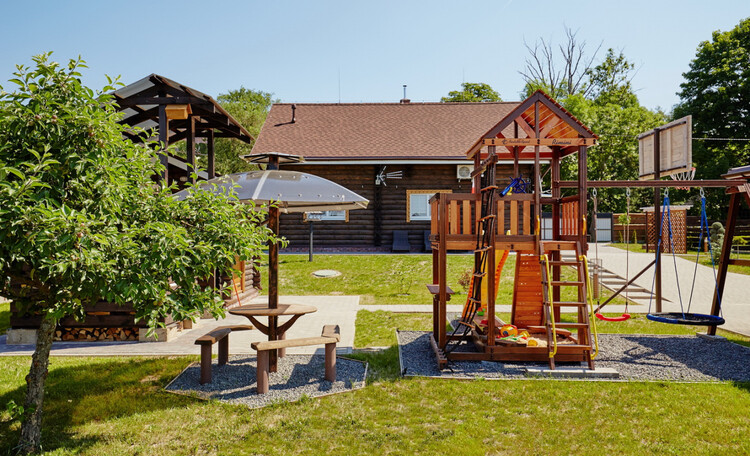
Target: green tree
[(250, 108), (472, 92), (81, 219), (601, 96), (716, 92)]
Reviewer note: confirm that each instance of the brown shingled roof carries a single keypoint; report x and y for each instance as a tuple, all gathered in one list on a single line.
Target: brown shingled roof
[(378, 130)]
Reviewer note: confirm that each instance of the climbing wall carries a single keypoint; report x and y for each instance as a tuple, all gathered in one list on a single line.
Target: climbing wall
[(527, 293)]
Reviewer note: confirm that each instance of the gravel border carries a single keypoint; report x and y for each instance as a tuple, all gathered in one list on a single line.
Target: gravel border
[(635, 356), (297, 376)]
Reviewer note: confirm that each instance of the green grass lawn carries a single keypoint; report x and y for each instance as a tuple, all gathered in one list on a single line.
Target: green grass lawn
[(116, 406), (387, 279), (106, 406), (4, 316)]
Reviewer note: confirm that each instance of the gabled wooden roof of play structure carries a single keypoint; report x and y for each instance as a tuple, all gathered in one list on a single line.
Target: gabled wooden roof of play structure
[(538, 120), (140, 102)]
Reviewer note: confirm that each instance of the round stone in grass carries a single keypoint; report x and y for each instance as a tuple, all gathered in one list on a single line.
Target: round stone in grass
[(324, 273)]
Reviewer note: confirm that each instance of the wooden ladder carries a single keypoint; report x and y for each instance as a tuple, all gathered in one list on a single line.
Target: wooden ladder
[(485, 227), (582, 342)]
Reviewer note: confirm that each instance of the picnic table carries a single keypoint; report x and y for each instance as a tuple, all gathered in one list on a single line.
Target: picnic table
[(273, 329)]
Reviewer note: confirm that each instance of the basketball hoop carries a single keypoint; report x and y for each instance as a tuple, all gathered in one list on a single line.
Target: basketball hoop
[(683, 176)]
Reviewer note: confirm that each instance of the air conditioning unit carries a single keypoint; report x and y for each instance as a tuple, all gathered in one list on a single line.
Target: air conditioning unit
[(463, 172)]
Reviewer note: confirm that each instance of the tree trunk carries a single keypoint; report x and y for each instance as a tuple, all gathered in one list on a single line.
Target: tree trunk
[(31, 428)]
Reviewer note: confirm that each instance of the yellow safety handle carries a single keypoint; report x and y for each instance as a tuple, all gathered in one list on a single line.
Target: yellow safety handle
[(537, 228), (589, 295), (584, 224), (545, 258)]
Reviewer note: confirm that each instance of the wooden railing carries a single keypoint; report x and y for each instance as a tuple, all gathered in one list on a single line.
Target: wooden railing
[(515, 215), (569, 216)]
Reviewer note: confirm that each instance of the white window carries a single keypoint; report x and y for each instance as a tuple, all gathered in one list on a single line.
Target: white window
[(334, 215), (418, 204)]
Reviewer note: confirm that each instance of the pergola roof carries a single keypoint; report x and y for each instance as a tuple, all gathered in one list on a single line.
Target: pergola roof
[(140, 103), (541, 121)]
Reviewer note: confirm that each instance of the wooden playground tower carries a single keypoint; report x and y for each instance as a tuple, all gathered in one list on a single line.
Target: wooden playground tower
[(492, 223)]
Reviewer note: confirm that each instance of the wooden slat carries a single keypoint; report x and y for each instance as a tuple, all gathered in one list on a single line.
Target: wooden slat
[(286, 343), (501, 217), (466, 217), (527, 217), (514, 217), (454, 227)]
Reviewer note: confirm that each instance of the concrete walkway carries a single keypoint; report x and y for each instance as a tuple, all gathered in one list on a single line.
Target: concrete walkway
[(735, 308), (339, 310), (342, 310)]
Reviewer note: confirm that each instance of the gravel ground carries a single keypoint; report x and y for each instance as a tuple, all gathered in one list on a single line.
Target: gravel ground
[(297, 376), (635, 357)]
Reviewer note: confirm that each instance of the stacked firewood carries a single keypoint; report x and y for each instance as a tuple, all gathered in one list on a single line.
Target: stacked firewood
[(96, 334)]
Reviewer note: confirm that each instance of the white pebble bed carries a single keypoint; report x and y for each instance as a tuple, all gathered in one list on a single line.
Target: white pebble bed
[(297, 376), (634, 356)]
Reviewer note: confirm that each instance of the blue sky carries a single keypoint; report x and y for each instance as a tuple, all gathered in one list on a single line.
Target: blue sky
[(356, 51)]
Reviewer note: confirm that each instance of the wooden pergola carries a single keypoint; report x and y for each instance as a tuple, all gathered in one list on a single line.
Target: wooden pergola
[(179, 113)]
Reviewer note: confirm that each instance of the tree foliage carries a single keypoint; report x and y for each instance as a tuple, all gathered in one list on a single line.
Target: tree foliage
[(559, 74), (250, 108), (716, 92), (601, 96), (472, 92), (81, 218)]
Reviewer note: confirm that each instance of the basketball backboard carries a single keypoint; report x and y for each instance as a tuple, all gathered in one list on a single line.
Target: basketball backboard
[(675, 148)]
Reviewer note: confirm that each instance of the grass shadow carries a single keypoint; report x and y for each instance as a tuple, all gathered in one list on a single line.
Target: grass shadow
[(80, 391)]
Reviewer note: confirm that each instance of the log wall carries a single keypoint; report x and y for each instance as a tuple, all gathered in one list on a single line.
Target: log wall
[(374, 226)]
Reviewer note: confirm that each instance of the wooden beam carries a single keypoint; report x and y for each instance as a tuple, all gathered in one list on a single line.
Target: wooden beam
[(164, 140), (726, 251), (190, 149), (525, 127), (547, 128), (560, 142), (135, 101), (211, 157), (713, 183)]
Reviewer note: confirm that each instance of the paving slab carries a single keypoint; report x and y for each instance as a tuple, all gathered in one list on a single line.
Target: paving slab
[(734, 304), (332, 310), (573, 372)]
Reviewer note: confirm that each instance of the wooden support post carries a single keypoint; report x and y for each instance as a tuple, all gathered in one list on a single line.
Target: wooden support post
[(164, 140), (223, 350), (211, 169), (555, 178), (442, 271), (582, 198), (205, 364), (537, 179), (190, 148), (435, 298), (262, 371), (657, 220), (726, 250), (330, 360), (282, 351)]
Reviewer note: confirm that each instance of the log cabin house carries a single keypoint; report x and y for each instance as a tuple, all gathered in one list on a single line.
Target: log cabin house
[(397, 155)]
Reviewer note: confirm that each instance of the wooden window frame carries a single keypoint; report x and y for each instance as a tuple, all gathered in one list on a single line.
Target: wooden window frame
[(420, 192)]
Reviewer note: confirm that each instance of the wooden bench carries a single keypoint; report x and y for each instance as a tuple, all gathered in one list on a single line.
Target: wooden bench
[(220, 335), (330, 336)]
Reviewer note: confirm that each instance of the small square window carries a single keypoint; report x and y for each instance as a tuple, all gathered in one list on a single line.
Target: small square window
[(334, 215), (418, 204)]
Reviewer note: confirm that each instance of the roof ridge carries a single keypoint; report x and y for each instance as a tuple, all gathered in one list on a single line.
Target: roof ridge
[(395, 103)]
